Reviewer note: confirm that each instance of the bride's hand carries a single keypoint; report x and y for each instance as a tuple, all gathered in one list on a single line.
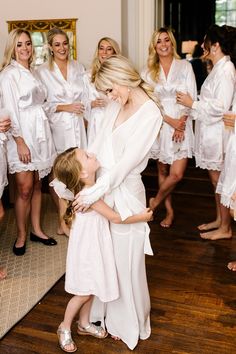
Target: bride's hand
[(78, 204)]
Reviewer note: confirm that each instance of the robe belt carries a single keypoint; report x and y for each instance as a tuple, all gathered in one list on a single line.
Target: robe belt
[(40, 117)]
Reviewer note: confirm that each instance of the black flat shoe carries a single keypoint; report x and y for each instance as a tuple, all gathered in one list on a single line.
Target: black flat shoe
[(46, 241), (19, 251)]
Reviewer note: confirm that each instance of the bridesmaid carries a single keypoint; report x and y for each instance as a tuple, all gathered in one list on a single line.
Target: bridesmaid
[(30, 148), (67, 102), (215, 99), (168, 75), (105, 48)]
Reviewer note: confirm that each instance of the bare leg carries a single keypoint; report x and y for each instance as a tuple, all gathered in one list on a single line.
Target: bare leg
[(175, 175), (232, 266), (36, 202), (224, 230), (2, 212), (24, 188), (214, 177), (163, 171), (73, 307)]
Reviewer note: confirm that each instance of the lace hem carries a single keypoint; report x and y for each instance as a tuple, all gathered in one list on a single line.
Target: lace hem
[(214, 166), (42, 173), (156, 155)]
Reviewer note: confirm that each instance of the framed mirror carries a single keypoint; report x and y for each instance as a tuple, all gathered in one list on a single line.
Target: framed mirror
[(38, 30)]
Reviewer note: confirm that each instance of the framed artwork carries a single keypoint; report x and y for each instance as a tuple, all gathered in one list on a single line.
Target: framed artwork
[(38, 30)]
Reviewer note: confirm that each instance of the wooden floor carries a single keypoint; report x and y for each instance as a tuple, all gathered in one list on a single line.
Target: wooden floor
[(193, 295)]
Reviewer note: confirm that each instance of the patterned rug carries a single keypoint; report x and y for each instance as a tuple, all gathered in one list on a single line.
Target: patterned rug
[(31, 276)]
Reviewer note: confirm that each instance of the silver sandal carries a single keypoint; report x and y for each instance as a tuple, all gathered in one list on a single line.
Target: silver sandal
[(92, 330), (67, 340)]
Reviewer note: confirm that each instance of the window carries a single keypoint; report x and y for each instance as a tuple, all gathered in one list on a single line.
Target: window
[(225, 12)]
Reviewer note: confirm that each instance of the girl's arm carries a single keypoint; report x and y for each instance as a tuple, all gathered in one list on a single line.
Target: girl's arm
[(102, 208)]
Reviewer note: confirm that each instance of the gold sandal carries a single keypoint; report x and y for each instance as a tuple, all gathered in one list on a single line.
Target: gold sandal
[(92, 330), (67, 340)]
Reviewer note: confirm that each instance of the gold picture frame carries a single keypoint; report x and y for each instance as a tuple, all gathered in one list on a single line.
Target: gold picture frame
[(38, 30)]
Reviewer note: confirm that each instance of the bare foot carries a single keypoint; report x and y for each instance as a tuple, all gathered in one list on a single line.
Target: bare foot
[(209, 226), (216, 235), (168, 220), (115, 337), (232, 266), (3, 274)]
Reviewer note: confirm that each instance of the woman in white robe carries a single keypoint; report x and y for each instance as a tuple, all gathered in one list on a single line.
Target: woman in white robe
[(5, 124), (215, 98), (30, 149), (168, 75), (130, 127), (67, 102), (105, 48), (67, 98)]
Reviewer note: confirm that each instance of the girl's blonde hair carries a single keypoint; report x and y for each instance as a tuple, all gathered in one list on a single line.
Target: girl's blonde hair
[(50, 36), (153, 62), (119, 70), (96, 63), (67, 169), (10, 52)]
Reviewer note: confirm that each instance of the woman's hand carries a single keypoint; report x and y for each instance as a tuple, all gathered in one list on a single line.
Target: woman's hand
[(23, 150), (229, 120), (75, 107), (78, 204), (178, 136), (178, 124), (184, 98), (5, 124), (99, 102), (147, 215)]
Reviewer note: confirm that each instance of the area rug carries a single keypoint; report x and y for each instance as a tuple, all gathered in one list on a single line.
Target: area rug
[(31, 276)]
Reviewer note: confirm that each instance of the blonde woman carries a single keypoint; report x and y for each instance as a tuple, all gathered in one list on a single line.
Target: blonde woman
[(168, 75), (215, 99), (105, 48), (67, 101), (30, 148), (132, 121)]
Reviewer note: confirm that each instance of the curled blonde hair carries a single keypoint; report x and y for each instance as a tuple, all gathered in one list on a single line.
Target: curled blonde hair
[(153, 62), (67, 169), (50, 36), (119, 70), (10, 48), (96, 63)]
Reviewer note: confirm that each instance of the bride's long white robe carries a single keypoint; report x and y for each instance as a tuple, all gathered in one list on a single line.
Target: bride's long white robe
[(123, 154)]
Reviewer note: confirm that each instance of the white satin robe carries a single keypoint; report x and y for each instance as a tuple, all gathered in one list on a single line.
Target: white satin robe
[(23, 95), (123, 154), (216, 97), (180, 78), (68, 129), (96, 115), (226, 186)]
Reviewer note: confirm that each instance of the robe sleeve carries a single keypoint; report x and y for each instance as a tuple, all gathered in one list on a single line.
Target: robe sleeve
[(136, 150), (9, 99), (191, 86), (211, 110)]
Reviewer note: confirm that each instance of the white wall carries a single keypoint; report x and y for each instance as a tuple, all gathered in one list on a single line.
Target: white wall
[(96, 19)]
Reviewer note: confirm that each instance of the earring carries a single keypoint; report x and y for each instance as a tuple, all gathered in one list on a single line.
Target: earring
[(52, 53), (128, 89)]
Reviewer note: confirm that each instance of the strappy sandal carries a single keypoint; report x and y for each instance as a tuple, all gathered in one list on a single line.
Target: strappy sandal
[(92, 330), (67, 340)]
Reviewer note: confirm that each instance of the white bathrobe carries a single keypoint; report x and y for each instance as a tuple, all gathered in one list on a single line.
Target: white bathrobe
[(180, 78), (68, 129), (215, 99), (123, 152), (23, 95)]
